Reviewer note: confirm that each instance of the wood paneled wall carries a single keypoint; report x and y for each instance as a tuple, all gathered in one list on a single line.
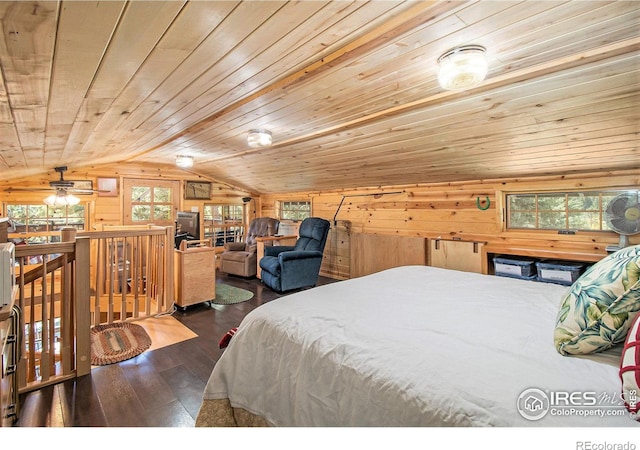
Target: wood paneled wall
[(447, 210), (429, 210)]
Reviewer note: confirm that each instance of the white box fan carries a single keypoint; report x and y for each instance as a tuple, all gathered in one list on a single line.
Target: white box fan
[(623, 216)]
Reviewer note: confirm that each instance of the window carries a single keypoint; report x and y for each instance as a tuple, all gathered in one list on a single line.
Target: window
[(223, 223), (148, 201), (295, 210), (583, 211), (36, 218)]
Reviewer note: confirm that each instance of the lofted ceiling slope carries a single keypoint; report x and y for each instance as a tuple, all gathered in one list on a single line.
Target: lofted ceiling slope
[(348, 89)]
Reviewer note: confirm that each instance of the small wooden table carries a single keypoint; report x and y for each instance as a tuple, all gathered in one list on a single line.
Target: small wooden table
[(195, 272), (263, 242)]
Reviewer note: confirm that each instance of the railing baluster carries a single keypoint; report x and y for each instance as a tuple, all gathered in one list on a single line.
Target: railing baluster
[(60, 289)]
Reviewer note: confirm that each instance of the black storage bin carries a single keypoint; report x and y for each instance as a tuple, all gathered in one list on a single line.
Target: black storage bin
[(515, 267), (560, 272)]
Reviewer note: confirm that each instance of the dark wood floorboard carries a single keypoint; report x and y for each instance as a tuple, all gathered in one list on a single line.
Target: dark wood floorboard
[(160, 388)]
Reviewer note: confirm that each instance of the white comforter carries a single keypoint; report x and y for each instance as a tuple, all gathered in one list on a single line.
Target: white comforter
[(411, 346)]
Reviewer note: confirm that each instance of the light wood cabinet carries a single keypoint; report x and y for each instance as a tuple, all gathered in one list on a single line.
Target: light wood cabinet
[(457, 255), (372, 253), (195, 272)]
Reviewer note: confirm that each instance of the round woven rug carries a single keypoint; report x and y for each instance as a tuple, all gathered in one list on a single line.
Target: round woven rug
[(228, 295), (117, 342)]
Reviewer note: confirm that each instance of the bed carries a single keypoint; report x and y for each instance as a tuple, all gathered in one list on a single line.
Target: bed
[(411, 346)]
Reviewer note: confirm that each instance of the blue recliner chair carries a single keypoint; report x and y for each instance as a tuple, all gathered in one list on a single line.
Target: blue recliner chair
[(287, 267)]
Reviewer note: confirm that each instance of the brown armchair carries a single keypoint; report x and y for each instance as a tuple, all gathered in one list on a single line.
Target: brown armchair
[(240, 258)]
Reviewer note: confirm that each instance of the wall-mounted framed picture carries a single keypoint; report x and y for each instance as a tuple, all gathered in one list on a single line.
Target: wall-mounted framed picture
[(107, 187), (197, 190), (86, 185)]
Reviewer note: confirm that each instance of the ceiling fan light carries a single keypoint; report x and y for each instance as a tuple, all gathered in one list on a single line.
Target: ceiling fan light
[(184, 162), (61, 199), (462, 67), (259, 138)]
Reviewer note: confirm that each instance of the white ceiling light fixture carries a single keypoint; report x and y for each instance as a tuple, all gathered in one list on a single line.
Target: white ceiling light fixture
[(259, 138), (184, 162), (462, 67), (61, 198)]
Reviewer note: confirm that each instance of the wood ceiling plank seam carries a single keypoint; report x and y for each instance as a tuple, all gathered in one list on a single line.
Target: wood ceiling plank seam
[(524, 156), (202, 82), (26, 66), (118, 117), (583, 15), (135, 56), (244, 128), (108, 82), (436, 116), (490, 141), (226, 85), (154, 119), (11, 154), (71, 79), (464, 154), (290, 80), (531, 152)]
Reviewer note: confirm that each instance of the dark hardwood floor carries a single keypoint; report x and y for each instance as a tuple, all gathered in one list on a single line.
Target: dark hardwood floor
[(160, 388)]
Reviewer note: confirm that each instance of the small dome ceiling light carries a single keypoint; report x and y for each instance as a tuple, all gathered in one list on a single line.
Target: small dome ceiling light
[(259, 138), (184, 162), (462, 67)]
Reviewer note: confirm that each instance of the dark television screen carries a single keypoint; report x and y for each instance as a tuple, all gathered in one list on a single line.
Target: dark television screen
[(188, 222)]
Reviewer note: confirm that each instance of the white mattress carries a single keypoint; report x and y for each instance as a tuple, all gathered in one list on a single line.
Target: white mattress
[(410, 346)]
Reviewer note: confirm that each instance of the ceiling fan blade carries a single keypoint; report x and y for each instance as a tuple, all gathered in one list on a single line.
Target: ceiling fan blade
[(14, 189), (84, 191)]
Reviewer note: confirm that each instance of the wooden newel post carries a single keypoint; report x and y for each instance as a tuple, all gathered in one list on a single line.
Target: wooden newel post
[(68, 234)]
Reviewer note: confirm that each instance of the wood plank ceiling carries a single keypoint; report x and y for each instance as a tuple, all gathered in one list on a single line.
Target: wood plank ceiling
[(348, 89)]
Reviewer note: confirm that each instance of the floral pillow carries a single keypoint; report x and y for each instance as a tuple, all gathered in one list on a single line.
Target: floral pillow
[(630, 370), (597, 311)]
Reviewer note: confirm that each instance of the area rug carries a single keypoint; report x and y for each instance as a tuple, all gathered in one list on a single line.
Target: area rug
[(117, 342), (228, 295)]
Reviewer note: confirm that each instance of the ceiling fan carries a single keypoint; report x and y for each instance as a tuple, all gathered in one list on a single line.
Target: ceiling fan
[(62, 189)]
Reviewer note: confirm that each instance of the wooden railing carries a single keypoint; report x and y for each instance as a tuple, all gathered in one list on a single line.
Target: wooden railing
[(131, 273), (120, 274), (53, 281)]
